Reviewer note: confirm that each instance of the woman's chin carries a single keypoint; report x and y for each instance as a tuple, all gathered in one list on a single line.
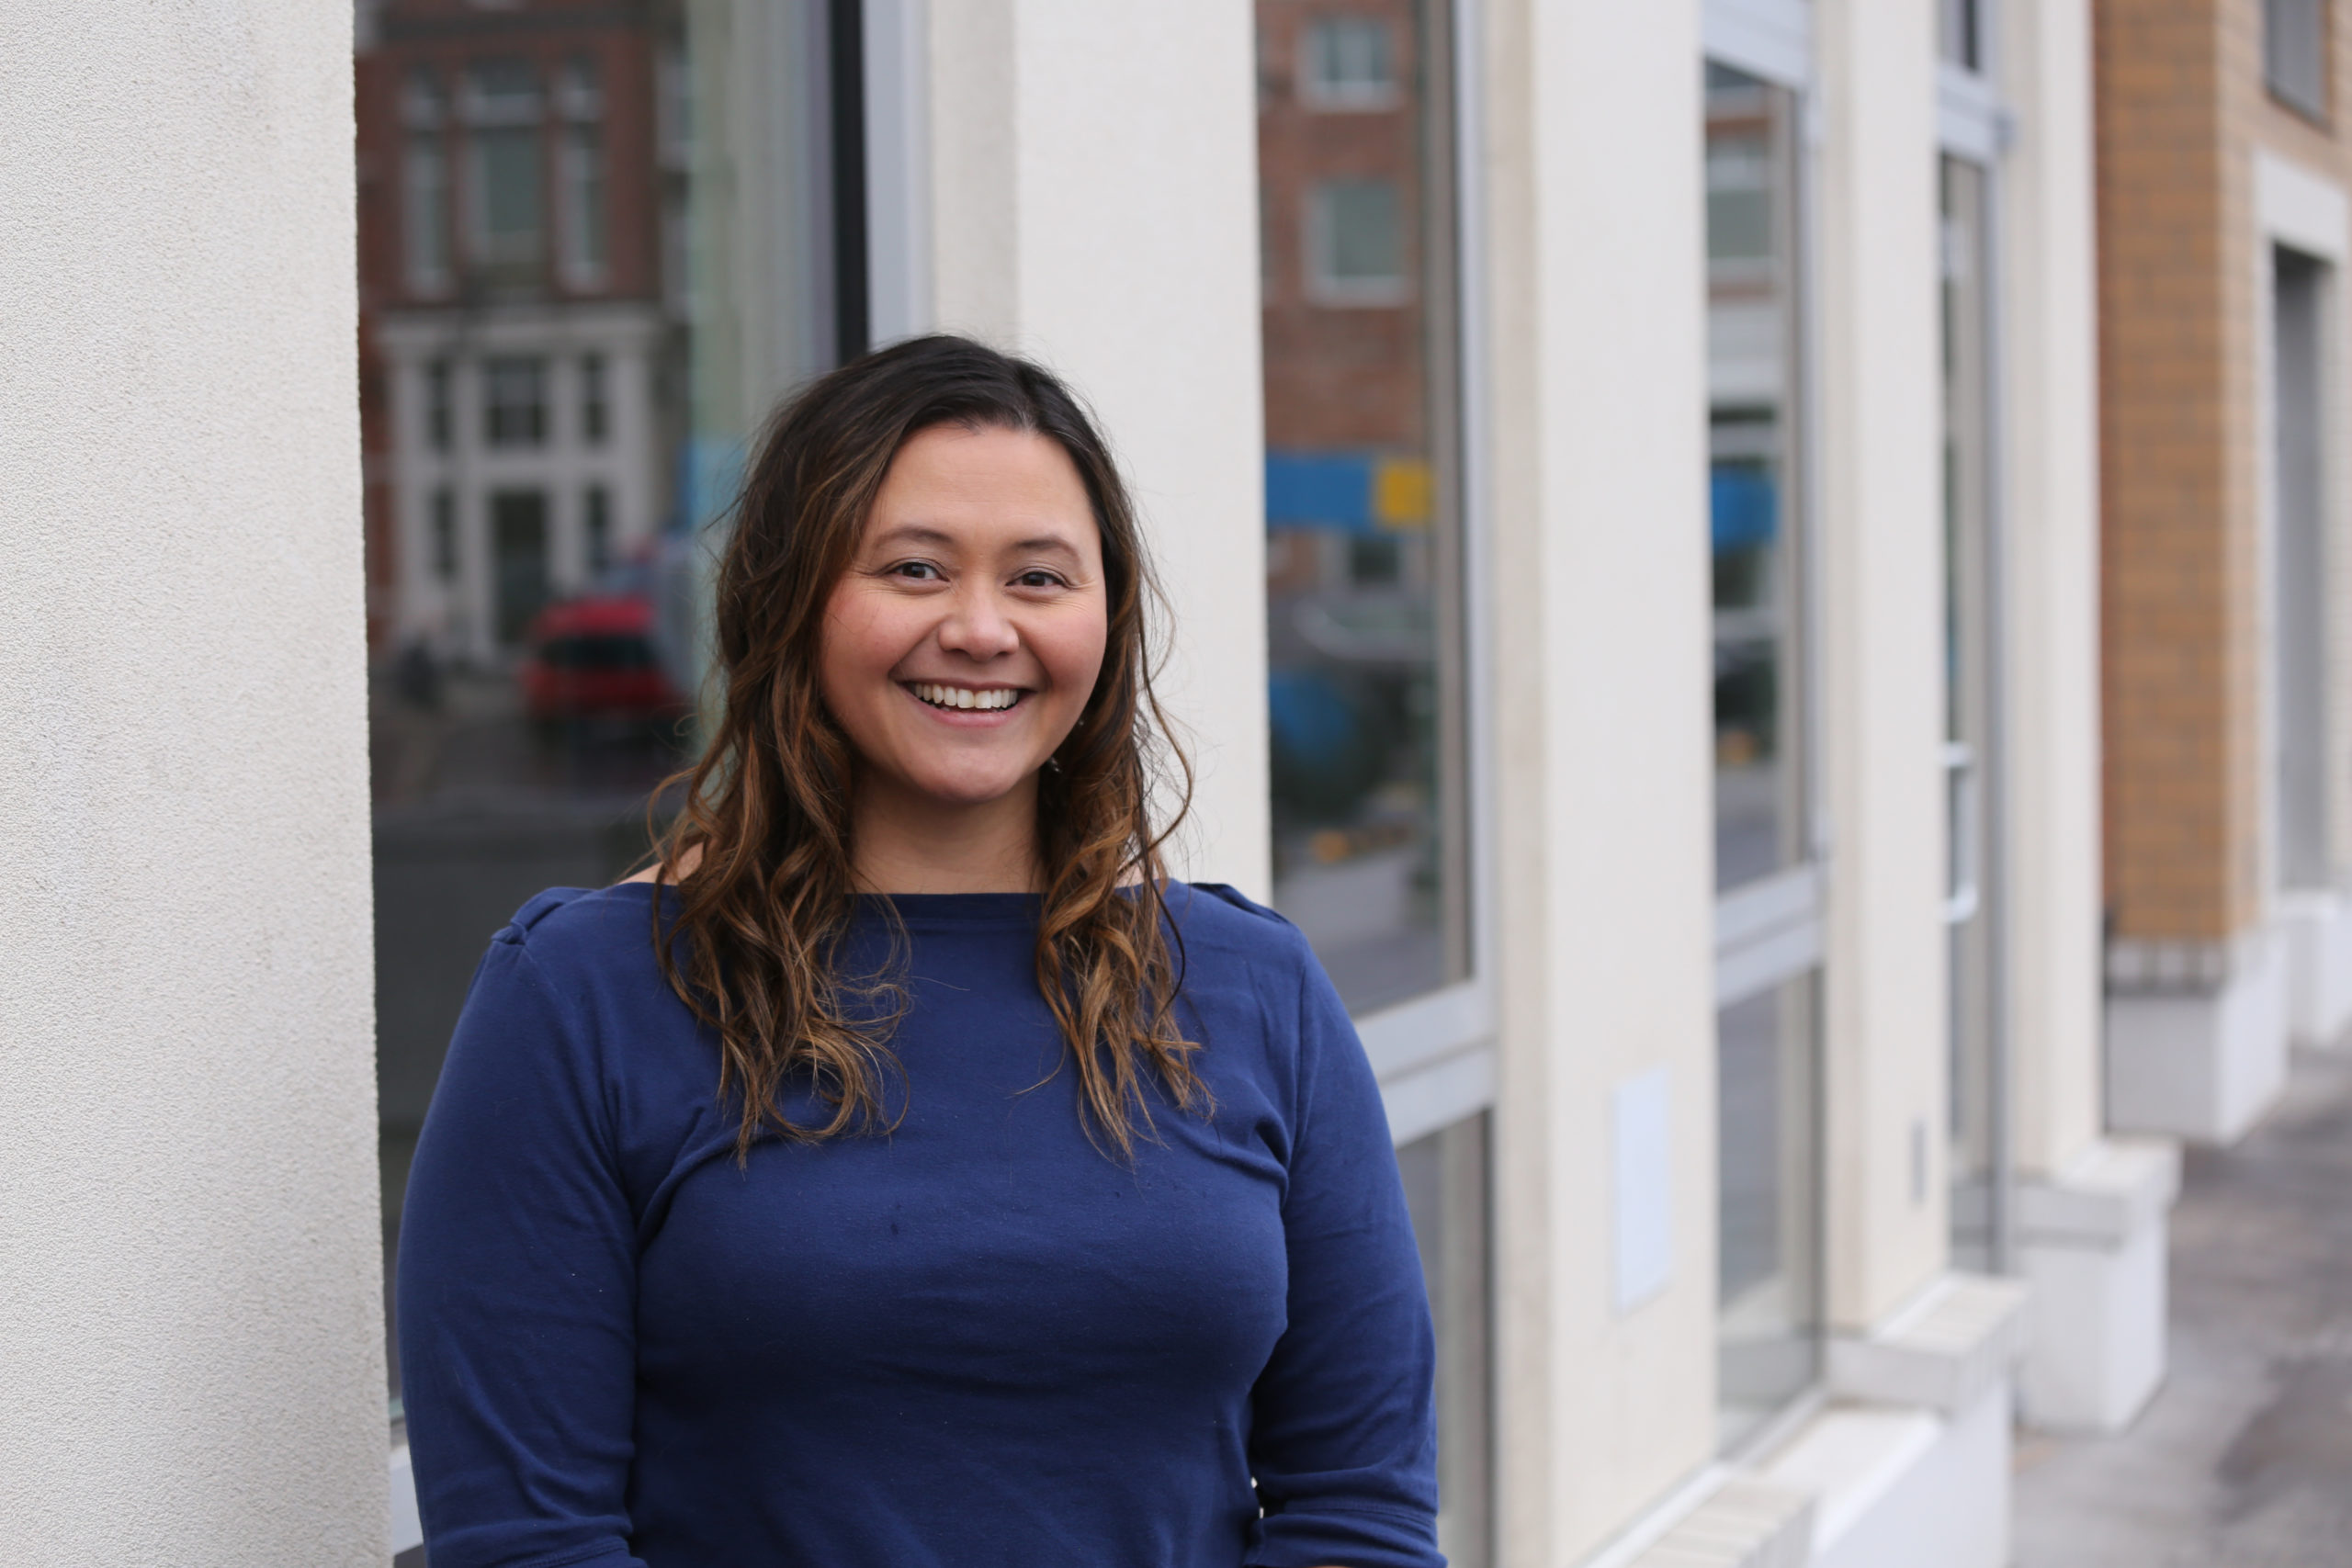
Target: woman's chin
[(960, 791)]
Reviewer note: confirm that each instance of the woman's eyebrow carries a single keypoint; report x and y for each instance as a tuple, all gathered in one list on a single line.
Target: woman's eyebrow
[(924, 534), (913, 534)]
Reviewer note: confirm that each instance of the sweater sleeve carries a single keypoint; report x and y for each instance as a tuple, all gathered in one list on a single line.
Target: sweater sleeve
[(517, 1289), (1343, 1440)]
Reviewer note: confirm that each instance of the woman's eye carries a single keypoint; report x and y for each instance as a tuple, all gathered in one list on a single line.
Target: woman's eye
[(1040, 579), (916, 572)]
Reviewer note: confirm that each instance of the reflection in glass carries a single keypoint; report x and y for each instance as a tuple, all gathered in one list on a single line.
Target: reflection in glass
[(550, 437), (1767, 1198), (1754, 390), (1446, 1186), (1362, 484)]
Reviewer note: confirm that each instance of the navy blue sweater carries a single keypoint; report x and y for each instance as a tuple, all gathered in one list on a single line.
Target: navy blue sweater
[(974, 1340)]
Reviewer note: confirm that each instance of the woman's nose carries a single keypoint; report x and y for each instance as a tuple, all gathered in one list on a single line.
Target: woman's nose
[(976, 627)]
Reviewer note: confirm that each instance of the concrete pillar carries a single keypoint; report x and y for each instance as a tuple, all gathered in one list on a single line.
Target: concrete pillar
[(1597, 396), (190, 1291), (1881, 627)]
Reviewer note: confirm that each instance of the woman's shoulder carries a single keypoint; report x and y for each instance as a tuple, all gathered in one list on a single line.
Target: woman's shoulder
[(1214, 920), (584, 930)]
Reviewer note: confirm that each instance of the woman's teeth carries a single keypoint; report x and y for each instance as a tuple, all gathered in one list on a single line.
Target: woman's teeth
[(965, 697)]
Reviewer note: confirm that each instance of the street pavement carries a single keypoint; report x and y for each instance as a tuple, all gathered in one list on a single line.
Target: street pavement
[(2243, 1460)]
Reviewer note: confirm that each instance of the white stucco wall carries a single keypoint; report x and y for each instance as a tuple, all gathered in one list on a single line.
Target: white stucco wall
[(189, 1294), (1093, 182), (1596, 334), (1881, 620)]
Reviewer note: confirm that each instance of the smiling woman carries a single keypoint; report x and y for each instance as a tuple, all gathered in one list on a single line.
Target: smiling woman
[(1130, 1278)]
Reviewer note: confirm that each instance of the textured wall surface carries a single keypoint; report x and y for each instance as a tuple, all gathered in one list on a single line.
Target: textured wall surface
[(189, 1303)]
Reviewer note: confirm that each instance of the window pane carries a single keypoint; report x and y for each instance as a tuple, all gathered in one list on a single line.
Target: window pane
[(1359, 239), (1447, 1189), (2294, 58), (506, 199), (544, 467), (1363, 487), (1767, 1204), (1347, 64), (425, 213), (1754, 395)]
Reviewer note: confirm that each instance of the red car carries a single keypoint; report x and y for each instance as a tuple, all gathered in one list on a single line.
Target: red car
[(593, 657)]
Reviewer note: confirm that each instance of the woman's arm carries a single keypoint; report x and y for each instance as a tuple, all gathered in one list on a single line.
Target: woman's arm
[(1344, 1441), (517, 1289)]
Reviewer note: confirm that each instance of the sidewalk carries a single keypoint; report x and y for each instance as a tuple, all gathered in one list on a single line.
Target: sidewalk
[(2245, 1458)]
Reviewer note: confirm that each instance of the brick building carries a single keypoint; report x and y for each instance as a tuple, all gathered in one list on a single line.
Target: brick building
[(520, 294), (2224, 165)]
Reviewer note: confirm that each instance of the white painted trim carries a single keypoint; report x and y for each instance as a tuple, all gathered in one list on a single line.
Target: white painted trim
[(1971, 121), (899, 302), (1439, 1024), (2300, 208), (1770, 38), (1439, 1095), (1757, 909), (1770, 961)]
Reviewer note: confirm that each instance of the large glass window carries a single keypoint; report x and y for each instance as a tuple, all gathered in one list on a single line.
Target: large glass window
[(1363, 492), (1754, 474), (1367, 701), (555, 464), (1767, 919)]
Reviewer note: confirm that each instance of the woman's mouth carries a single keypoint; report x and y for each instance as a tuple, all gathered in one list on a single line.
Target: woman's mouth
[(966, 699)]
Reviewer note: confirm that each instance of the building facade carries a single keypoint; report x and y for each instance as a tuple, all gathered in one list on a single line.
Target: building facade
[(1627, 483), (2224, 173)]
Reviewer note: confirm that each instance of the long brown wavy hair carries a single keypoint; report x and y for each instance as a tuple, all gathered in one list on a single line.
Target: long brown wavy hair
[(761, 850)]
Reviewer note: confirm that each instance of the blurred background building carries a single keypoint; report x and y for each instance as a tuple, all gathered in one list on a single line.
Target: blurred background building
[(1762, 578)]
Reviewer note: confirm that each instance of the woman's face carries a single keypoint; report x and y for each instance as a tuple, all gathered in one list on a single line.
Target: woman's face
[(962, 643)]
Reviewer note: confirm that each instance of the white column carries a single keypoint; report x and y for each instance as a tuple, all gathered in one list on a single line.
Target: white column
[(1596, 334), (190, 1291), (1094, 205), (2089, 1219), (1881, 628), (2049, 397)]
